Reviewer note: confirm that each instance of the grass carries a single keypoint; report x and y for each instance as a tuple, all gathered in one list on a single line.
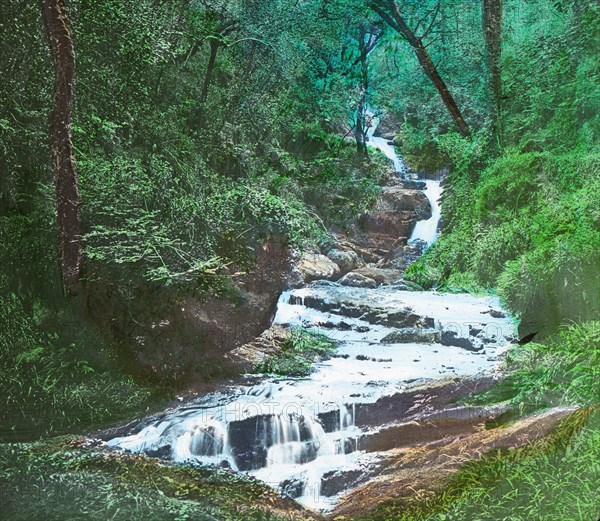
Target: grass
[(297, 355), (58, 376), (564, 370), (526, 226), (556, 478), (61, 480)]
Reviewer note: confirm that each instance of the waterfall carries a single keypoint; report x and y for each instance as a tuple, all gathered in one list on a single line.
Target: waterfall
[(262, 441), (382, 144), (426, 230), (309, 437)]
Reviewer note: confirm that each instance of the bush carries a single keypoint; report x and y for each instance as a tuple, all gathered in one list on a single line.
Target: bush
[(298, 352), (529, 228), (57, 375)]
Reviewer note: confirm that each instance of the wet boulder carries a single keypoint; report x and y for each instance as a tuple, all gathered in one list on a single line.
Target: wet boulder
[(412, 336), (292, 488), (346, 260), (314, 266), (358, 280), (451, 338), (337, 481), (381, 275), (395, 215)]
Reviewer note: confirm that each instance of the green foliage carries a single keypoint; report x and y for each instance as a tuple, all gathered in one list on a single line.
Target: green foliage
[(57, 376), (528, 227), (564, 370), (298, 352), (61, 480)]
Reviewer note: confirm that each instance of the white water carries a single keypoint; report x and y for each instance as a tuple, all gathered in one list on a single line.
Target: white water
[(274, 430), (291, 433), (426, 230), (383, 145)]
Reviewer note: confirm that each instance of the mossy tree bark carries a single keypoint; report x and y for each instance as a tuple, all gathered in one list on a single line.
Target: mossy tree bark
[(64, 169), (492, 30), (368, 37)]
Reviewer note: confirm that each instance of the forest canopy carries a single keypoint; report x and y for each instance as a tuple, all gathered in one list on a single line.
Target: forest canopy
[(202, 128)]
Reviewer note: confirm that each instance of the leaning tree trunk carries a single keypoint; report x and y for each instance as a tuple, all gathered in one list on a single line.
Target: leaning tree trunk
[(492, 30), (65, 173), (432, 73), (214, 49), (390, 13)]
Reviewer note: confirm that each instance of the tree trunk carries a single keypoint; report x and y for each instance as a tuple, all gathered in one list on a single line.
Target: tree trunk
[(438, 82), (65, 173), (389, 12), (360, 129), (492, 30), (214, 48)]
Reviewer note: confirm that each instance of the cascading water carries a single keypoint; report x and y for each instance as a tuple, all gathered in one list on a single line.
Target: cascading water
[(383, 144), (295, 433), (303, 436), (426, 230)]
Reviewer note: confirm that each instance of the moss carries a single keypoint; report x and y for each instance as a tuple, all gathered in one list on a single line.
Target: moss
[(528, 227), (551, 478), (58, 375)]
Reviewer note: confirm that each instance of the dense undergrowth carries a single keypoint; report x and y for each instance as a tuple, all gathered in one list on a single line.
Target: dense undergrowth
[(178, 185), (184, 169), (521, 216), (60, 376), (63, 480), (556, 478)]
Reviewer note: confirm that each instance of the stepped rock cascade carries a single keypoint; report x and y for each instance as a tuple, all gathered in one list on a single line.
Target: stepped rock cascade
[(387, 150), (294, 432), (427, 229), (306, 436)]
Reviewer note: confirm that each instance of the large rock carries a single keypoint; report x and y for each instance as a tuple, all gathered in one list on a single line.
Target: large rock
[(426, 467), (269, 343), (357, 280), (173, 335), (380, 275), (450, 337), (396, 212), (336, 481), (314, 266), (346, 260), (355, 307)]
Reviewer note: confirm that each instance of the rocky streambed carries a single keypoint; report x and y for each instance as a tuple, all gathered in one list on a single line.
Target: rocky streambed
[(316, 438), (402, 357)]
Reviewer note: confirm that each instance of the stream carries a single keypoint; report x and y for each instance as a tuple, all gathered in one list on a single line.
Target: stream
[(308, 437)]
